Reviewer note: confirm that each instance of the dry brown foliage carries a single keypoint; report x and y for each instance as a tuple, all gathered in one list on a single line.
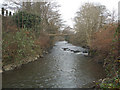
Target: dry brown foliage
[(103, 40), (9, 25), (43, 41)]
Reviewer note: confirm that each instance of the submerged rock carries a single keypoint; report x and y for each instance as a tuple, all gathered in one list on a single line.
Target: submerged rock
[(76, 51), (65, 49), (85, 51)]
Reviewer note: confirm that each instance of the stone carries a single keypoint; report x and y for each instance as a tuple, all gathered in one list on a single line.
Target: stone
[(64, 49), (41, 56), (85, 51), (76, 51)]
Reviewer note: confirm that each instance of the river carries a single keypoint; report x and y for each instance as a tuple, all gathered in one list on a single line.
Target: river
[(60, 68)]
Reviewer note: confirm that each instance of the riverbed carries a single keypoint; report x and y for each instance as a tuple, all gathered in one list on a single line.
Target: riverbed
[(62, 67)]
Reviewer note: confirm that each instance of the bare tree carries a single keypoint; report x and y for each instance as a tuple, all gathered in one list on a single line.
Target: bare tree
[(90, 18)]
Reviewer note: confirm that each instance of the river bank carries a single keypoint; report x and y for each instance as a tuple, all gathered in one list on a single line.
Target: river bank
[(18, 64), (111, 63)]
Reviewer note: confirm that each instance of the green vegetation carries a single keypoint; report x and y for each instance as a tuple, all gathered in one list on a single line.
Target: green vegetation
[(17, 46), (25, 33), (26, 20)]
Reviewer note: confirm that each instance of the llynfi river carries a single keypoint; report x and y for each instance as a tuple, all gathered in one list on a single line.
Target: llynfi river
[(61, 68)]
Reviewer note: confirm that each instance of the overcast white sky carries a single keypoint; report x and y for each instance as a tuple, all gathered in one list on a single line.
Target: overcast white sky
[(70, 7)]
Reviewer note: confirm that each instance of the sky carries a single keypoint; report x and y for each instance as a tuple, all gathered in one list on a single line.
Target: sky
[(69, 8)]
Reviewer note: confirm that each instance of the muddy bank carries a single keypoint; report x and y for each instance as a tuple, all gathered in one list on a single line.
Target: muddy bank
[(18, 64)]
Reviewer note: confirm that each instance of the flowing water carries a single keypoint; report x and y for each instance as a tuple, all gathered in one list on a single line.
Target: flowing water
[(61, 68)]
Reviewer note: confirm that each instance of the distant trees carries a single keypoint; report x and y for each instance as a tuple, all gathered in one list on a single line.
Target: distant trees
[(45, 12), (90, 18), (50, 17), (67, 30)]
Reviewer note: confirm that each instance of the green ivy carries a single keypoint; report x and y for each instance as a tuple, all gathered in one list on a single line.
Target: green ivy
[(28, 20)]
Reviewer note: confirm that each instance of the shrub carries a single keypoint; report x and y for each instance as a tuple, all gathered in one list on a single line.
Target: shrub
[(28, 20), (19, 45), (105, 40)]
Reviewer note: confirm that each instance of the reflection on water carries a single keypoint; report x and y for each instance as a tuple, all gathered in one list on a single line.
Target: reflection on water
[(58, 69)]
